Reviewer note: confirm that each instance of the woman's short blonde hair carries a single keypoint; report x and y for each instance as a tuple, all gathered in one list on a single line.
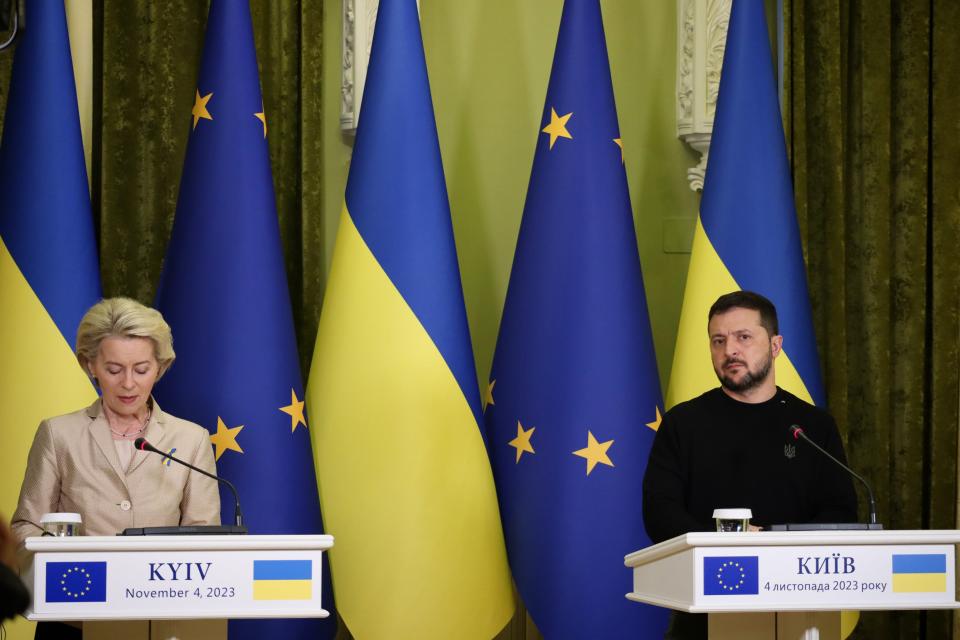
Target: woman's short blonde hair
[(123, 318)]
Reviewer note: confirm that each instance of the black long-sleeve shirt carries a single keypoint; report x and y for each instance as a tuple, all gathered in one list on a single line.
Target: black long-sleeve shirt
[(716, 452)]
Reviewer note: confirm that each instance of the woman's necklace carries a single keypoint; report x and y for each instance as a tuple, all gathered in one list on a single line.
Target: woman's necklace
[(131, 434)]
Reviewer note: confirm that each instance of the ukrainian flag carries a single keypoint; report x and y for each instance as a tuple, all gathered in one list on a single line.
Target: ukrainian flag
[(404, 478), (747, 235), (48, 257), (919, 573), (282, 579), (224, 293)]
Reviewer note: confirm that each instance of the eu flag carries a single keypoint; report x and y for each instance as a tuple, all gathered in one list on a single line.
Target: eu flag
[(731, 575), (224, 293), (49, 272), (76, 582), (573, 398)]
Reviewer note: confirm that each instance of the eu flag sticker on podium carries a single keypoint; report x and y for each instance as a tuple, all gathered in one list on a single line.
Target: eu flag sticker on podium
[(730, 576), (76, 582)]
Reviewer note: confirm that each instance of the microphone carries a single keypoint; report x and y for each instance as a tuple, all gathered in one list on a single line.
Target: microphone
[(798, 433), (142, 444)]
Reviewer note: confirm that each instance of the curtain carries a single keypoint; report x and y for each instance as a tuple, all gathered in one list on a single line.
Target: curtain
[(871, 107), (145, 69)]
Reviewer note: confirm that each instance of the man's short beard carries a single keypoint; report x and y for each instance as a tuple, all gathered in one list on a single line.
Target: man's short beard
[(749, 381)]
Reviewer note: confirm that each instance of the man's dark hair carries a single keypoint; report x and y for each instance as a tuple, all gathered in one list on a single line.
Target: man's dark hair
[(748, 300)]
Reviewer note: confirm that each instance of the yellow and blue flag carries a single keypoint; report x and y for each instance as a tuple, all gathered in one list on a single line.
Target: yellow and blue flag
[(224, 293), (574, 396), (747, 235), (919, 572), (282, 579), (404, 478), (49, 274)]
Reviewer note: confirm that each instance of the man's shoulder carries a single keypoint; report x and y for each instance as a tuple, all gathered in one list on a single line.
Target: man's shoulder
[(704, 403), (706, 399), (799, 409)]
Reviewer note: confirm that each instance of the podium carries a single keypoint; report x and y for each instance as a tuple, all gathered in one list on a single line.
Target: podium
[(759, 585), (194, 577)]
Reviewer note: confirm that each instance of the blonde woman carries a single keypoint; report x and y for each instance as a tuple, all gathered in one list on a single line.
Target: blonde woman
[(84, 462)]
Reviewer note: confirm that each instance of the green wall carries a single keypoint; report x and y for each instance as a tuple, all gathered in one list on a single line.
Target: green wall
[(489, 63)]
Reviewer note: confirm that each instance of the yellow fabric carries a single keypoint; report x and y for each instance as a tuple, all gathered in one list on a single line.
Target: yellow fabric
[(692, 372), (39, 378), (405, 484), (80, 28)]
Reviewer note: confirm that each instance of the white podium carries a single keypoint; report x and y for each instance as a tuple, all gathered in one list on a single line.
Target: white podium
[(794, 584), (100, 578)]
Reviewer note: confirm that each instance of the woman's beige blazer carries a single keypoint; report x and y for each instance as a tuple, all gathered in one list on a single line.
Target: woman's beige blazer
[(73, 467)]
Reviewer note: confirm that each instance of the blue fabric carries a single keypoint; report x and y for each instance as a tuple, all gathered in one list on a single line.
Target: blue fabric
[(575, 354), (224, 293), (45, 218)]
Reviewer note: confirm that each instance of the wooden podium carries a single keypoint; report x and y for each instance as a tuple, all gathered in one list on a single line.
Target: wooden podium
[(201, 579), (794, 584)]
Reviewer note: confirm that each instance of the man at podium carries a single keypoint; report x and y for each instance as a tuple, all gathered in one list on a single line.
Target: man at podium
[(733, 446)]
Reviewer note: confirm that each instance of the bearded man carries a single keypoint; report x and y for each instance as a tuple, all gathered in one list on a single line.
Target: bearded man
[(732, 446)]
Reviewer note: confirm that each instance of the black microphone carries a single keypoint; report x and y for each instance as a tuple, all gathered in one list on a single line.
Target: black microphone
[(142, 444), (798, 433)]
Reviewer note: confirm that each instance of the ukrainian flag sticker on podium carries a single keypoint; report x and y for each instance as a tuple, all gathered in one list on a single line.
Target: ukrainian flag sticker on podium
[(919, 573), (282, 579)]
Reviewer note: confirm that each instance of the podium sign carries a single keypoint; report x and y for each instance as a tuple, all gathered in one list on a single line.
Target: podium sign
[(176, 577), (846, 577), (798, 571)]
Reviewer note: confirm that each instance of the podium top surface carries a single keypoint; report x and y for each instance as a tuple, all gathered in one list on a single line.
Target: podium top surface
[(177, 543), (789, 538)]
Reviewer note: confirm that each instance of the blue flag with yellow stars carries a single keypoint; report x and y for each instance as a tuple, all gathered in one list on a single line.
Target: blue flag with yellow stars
[(573, 399), (224, 293)]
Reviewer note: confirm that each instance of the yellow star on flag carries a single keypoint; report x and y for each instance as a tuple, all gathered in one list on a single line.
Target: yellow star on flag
[(225, 438), (619, 143), (295, 411), (200, 108), (595, 452), (522, 442), (262, 117), (557, 127), (488, 395), (655, 425)]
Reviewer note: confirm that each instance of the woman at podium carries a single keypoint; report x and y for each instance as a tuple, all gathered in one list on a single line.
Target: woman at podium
[(85, 462)]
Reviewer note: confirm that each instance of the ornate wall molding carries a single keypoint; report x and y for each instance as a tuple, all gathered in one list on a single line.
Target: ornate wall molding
[(701, 39), (359, 20)]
